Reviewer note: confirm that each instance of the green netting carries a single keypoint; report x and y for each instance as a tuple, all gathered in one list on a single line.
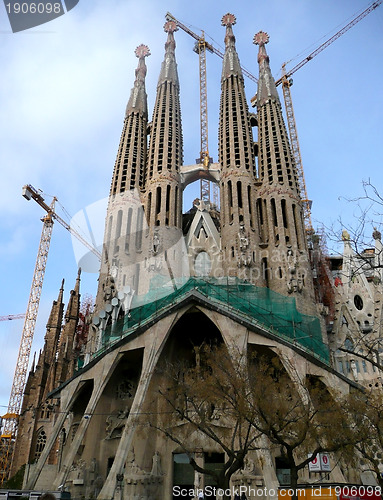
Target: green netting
[(259, 306)]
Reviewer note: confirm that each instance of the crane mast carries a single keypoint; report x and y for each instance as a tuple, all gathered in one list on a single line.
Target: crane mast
[(16, 397), (292, 126), (204, 158)]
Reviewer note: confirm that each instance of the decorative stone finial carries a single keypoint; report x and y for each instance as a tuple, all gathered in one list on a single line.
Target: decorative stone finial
[(142, 51), (345, 235), (228, 20), (377, 235), (170, 27), (261, 38)]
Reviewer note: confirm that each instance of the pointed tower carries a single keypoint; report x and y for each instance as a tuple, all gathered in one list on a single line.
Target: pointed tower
[(129, 169), (283, 256), (125, 215), (163, 193), (54, 328), (37, 387), (236, 158), (66, 354), (163, 243)]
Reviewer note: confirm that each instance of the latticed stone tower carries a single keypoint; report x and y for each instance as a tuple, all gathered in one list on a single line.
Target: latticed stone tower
[(163, 194), (125, 215), (283, 257), (236, 158)]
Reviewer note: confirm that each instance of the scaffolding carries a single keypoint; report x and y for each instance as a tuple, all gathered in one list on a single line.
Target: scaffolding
[(259, 307)]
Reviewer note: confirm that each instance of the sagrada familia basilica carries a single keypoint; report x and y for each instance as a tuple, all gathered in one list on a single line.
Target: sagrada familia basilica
[(244, 273)]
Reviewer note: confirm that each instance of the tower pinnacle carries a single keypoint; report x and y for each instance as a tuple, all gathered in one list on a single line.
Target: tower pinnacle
[(266, 83), (137, 100), (231, 65), (169, 65)]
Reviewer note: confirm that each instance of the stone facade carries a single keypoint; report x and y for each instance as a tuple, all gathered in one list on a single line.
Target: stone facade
[(168, 283)]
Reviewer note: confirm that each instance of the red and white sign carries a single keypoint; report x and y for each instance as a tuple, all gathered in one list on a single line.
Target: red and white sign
[(321, 463), (314, 465), (325, 462)]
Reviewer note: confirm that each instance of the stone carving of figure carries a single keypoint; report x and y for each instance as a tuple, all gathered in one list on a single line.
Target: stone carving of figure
[(156, 467)]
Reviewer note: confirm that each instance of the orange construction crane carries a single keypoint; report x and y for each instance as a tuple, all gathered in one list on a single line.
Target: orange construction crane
[(287, 82), (14, 406)]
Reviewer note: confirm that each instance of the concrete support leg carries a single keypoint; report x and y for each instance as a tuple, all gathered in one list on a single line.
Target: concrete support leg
[(108, 368), (153, 348)]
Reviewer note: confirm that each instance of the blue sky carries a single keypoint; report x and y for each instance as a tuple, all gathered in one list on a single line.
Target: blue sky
[(63, 93)]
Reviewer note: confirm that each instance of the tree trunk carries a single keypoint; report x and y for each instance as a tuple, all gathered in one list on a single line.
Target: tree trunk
[(224, 484), (294, 482)]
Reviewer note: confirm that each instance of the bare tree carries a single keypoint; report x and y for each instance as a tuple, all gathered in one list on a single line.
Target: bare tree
[(300, 418), (366, 410), (205, 396), (232, 400)]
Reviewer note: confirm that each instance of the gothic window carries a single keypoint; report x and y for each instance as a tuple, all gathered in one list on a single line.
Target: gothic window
[(140, 216), (230, 199), (128, 229), (239, 194), (167, 205), (158, 204), (265, 272), (349, 345), (249, 201), (40, 443), (118, 231)]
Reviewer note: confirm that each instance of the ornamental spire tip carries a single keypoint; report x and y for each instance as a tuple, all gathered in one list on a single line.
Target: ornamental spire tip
[(261, 38), (142, 51), (170, 27), (228, 19)]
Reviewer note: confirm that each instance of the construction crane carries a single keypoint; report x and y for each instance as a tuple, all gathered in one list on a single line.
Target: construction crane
[(29, 192), (204, 159), (10, 317), (15, 400), (287, 82)]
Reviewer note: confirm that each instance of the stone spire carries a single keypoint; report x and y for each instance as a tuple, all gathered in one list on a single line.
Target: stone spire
[(74, 300), (65, 359), (276, 164), (231, 65), (54, 327), (163, 193), (129, 169), (283, 256), (236, 158), (128, 185), (266, 84)]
